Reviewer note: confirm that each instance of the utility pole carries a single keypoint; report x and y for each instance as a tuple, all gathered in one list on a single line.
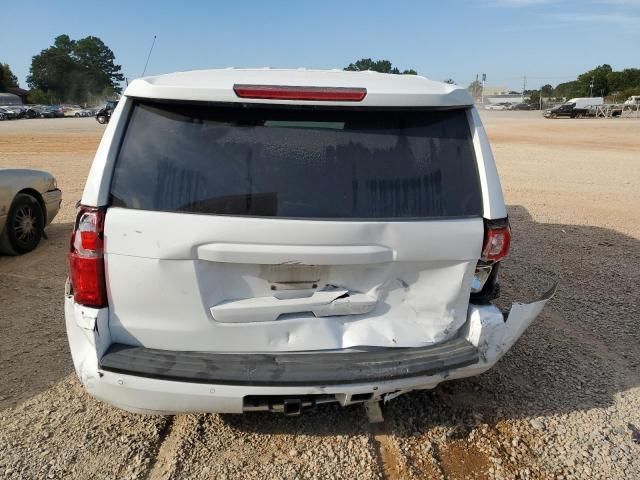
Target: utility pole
[(591, 85), (540, 98), (475, 89), (484, 79), (524, 85)]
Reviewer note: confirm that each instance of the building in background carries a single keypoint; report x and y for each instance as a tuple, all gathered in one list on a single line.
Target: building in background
[(10, 99), (20, 92), (502, 94)]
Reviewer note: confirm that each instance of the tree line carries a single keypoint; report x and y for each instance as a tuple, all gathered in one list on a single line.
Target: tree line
[(601, 81), (84, 70), (74, 71), (382, 66), (70, 71)]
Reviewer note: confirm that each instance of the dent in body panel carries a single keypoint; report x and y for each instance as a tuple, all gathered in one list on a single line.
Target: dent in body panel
[(406, 304), (89, 338)]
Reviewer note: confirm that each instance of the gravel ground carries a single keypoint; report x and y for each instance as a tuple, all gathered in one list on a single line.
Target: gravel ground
[(564, 403)]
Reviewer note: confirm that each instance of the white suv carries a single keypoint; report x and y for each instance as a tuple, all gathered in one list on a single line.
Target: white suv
[(274, 239)]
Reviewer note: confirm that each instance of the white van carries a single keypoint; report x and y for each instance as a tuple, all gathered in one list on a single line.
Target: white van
[(585, 102), (274, 239)]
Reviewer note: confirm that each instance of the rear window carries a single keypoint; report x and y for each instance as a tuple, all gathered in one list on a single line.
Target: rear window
[(297, 162)]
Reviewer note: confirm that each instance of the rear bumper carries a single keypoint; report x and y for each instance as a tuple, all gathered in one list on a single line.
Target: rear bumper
[(155, 381), (289, 369)]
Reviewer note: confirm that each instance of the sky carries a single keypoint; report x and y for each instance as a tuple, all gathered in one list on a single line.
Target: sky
[(548, 41)]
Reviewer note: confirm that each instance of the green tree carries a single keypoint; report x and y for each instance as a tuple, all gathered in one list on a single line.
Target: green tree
[(534, 97), (629, 78), (382, 66), (39, 97), (606, 82), (546, 90), (75, 71), (7, 78), (97, 60), (599, 78), (567, 90)]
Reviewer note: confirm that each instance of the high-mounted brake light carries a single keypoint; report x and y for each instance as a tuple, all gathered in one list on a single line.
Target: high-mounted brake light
[(278, 92), (497, 239), (86, 258)]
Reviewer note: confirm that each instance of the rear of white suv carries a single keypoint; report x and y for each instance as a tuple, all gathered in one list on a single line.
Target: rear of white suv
[(273, 239)]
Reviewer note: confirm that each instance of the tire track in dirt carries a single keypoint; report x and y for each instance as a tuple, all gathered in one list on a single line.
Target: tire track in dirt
[(388, 456), (168, 444)]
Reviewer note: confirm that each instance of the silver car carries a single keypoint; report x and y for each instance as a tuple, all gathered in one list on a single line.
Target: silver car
[(29, 201)]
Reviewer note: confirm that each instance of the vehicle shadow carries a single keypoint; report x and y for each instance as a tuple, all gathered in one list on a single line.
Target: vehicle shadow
[(581, 352), (34, 353)]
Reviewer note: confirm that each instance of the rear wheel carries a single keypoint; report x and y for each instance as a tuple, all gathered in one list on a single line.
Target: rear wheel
[(23, 229), (101, 119), (579, 115)]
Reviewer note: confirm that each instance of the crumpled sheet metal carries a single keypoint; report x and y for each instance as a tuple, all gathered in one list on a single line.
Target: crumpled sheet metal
[(416, 304), (268, 309), (406, 315), (493, 334)]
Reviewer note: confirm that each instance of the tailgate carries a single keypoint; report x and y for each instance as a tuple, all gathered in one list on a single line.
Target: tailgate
[(408, 282), (249, 228)]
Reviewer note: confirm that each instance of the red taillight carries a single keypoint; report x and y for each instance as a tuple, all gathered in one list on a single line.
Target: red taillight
[(497, 239), (86, 261), (277, 92)]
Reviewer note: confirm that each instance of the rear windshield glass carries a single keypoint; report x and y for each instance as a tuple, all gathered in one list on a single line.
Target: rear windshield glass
[(297, 162)]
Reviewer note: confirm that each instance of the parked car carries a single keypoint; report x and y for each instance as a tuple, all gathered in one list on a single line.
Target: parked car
[(76, 112), (47, 112), (17, 110), (273, 239), (575, 108), (51, 112), (103, 115), (8, 113), (523, 106), (29, 201), (32, 111), (497, 106)]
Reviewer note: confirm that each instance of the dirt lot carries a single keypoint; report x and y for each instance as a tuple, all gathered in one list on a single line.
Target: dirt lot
[(564, 403)]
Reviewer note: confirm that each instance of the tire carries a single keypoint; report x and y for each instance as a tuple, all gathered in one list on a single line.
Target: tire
[(579, 115), (77, 115), (101, 119), (23, 229), (553, 115)]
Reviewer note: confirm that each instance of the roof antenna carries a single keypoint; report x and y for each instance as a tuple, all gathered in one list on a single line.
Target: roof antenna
[(149, 56)]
